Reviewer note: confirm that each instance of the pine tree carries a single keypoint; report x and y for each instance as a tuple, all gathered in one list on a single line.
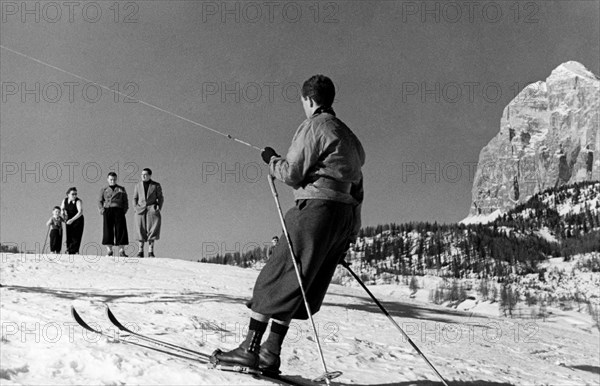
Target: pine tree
[(494, 295), (484, 289), (530, 298), (504, 299), (594, 312), (454, 291), (414, 285)]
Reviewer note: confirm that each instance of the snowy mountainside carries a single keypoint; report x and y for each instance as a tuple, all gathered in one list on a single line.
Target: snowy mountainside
[(572, 199), (562, 221), (202, 306), (567, 211)]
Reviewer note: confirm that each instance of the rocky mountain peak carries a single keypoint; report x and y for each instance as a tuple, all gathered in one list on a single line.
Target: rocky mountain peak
[(572, 69), (549, 136)]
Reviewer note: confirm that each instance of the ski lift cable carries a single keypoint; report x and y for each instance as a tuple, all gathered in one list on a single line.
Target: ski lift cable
[(228, 136)]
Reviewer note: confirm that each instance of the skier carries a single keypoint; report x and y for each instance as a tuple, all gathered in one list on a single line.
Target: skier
[(323, 166)]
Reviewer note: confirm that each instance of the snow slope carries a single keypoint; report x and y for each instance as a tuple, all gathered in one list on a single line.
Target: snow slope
[(202, 306), (481, 218)]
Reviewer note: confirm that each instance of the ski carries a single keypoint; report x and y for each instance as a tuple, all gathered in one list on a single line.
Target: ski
[(113, 319), (201, 357), (258, 374), (112, 338)]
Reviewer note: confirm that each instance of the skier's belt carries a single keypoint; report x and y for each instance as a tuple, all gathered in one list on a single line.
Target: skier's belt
[(328, 183)]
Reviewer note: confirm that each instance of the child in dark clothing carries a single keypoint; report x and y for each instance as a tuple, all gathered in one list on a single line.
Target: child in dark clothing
[(55, 224)]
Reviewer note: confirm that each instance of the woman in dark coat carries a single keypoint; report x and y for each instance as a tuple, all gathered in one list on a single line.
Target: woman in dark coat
[(72, 209)]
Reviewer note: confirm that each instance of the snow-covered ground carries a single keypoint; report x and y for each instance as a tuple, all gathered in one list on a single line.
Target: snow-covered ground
[(481, 218), (202, 306)]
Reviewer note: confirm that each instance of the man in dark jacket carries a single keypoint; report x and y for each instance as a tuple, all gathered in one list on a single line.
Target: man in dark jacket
[(323, 166), (113, 204)]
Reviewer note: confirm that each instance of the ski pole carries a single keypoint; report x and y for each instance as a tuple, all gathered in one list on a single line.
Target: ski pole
[(326, 375), (46, 239), (345, 264)]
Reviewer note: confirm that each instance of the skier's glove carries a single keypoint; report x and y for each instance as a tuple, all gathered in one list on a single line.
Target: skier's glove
[(268, 153)]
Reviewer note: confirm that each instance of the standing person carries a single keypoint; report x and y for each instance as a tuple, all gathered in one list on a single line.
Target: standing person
[(323, 166), (274, 242), (113, 204), (147, 202), (55, 224), (72, 209)]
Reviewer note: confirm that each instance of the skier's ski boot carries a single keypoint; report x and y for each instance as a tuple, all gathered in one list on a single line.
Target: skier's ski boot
[(268, 361), (246, 355)]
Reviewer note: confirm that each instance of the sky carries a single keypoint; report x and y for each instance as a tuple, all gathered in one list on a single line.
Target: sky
[(421, 83)]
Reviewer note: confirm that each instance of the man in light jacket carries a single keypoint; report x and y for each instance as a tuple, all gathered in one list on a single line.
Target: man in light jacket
[(147, 202), (323, 166)]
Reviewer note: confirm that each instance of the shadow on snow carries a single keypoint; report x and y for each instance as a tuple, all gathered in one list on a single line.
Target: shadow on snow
[(306, 381), (131, 295), (406, 310)]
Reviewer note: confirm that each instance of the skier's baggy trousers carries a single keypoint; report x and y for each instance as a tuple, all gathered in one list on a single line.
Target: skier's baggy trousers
[(319, 231)]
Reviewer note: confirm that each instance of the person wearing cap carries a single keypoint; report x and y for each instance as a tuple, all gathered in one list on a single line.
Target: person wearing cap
[(323, 167)]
